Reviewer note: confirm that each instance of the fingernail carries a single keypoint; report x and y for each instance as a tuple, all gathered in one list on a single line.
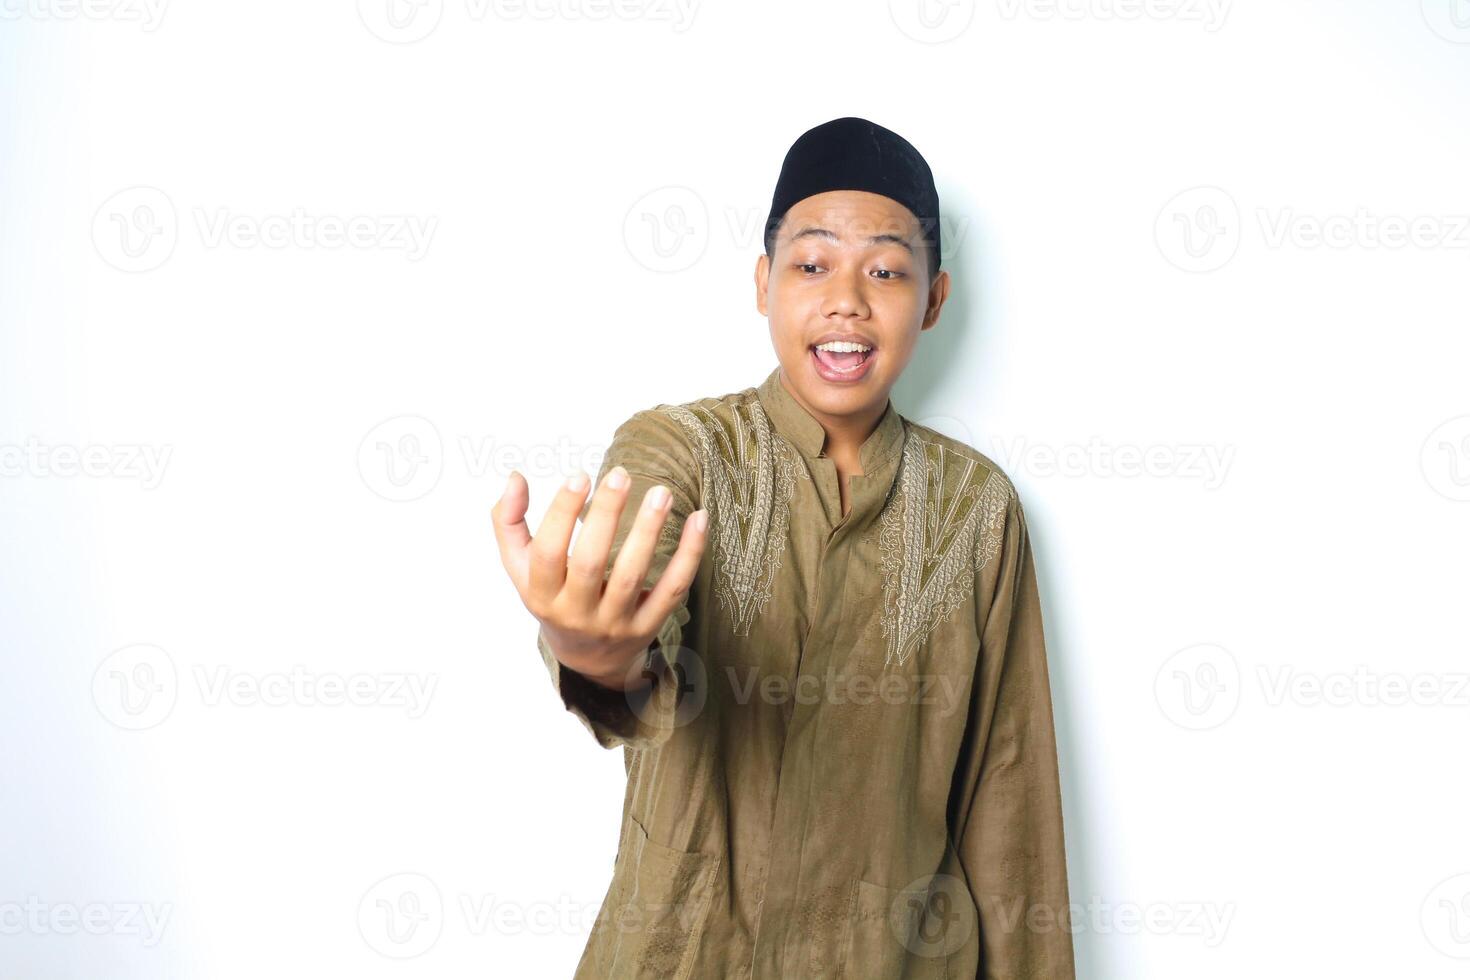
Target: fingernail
[(700, 520), (577, 482), (618, 478), (658, 497)]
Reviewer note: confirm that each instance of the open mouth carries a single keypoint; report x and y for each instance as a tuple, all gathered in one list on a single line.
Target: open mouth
[(842, 361)]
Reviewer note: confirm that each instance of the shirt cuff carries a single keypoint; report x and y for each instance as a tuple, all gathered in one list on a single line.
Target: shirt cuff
[(639, 719)]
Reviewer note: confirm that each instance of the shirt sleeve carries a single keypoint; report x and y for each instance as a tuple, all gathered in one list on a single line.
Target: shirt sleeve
[(652, 448), (1010, 838)]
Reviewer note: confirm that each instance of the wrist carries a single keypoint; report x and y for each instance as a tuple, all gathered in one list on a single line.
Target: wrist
[(628, 675)]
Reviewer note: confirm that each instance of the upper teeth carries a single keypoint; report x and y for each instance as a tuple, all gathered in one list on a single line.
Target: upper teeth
[(842, 347)]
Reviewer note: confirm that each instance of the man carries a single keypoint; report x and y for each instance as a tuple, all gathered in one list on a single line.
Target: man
[(836, 721)]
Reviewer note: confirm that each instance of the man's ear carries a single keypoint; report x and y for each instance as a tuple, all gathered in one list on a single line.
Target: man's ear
[(938, 293), (762, 276)]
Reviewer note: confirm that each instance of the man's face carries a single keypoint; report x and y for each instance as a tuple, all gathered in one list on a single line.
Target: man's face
[(847, 264)]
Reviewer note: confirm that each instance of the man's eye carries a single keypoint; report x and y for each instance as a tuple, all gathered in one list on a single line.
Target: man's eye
[(804, 266), (888, 274)]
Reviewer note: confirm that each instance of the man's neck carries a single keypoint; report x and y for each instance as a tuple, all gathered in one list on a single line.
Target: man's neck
[(845, 433)]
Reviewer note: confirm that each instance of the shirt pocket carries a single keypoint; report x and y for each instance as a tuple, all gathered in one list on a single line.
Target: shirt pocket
[(891, 936), (656, 909)]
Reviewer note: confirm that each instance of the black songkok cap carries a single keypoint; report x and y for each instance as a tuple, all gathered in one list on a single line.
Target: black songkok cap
[(852, 154)]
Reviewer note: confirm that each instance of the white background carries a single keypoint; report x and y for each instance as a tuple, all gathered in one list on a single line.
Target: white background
[(1246, 791)]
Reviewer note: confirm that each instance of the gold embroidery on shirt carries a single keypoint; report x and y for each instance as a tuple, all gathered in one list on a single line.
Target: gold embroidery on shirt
[(748, 476), (943, 525)]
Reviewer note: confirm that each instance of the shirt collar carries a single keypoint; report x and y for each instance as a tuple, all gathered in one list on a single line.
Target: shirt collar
[(797, 425)]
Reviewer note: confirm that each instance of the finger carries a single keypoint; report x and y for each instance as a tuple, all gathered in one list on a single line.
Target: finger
[(630, 568), (587, 567), (512, 536), (678, 577), (548, 565)]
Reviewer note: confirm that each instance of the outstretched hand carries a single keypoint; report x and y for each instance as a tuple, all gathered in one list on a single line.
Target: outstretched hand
[(596, 623)]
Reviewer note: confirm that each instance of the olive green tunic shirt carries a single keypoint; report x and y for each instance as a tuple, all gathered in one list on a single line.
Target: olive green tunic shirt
[(846, 765)]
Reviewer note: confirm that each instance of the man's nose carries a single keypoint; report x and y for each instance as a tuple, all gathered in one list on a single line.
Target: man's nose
[(847, 294)]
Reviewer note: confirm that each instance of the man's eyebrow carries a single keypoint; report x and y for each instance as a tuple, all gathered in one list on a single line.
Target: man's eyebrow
[(814, 232)]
